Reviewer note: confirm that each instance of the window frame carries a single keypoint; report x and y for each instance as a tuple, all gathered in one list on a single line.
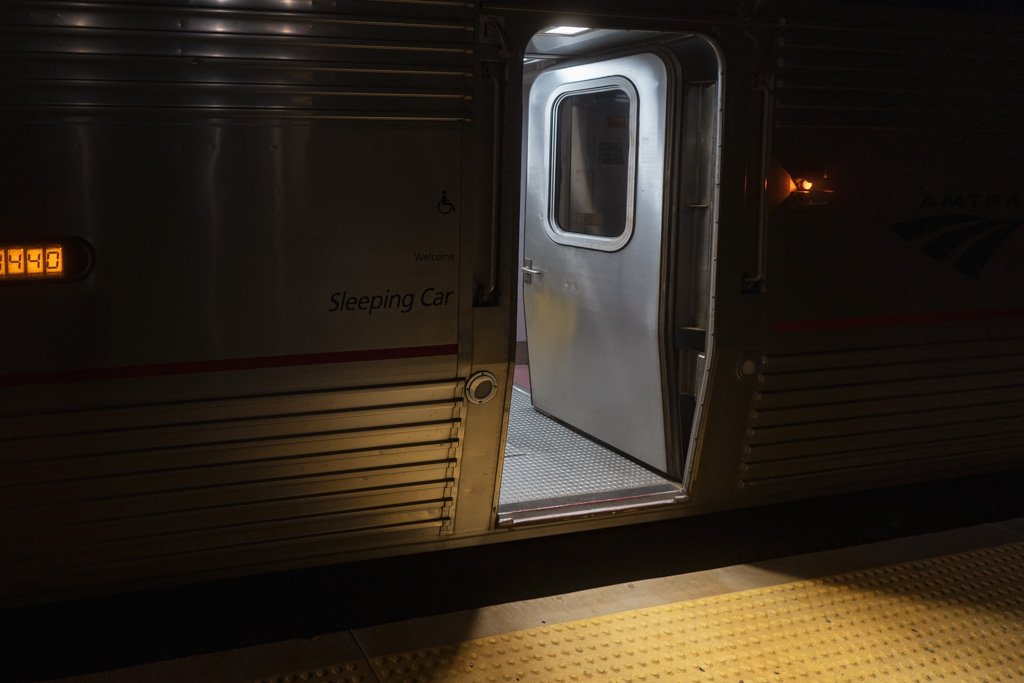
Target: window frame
[(560, 94)]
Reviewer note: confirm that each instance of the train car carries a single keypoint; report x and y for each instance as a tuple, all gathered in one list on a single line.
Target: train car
[(289, 284)]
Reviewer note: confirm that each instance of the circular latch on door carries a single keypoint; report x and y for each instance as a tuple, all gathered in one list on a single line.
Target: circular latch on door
[(481, 387)]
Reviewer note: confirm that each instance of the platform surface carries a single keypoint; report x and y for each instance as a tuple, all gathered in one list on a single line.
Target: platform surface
[(944, 606)]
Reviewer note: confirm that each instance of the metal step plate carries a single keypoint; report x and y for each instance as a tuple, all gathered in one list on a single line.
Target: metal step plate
[(550, 472)]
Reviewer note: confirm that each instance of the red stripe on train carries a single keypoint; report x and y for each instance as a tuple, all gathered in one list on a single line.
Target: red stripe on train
[(264, 362), (888, 320)]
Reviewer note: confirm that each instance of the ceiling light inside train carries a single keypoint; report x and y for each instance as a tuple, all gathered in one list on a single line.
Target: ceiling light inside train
[(564, 31)]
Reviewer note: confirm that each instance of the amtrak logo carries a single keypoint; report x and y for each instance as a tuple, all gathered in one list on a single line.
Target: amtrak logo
[(966, 240)]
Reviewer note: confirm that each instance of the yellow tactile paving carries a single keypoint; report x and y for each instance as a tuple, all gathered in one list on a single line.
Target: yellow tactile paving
[(953, 618)]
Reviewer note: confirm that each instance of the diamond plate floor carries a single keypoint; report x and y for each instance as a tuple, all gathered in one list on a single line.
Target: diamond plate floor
[(550, 469)]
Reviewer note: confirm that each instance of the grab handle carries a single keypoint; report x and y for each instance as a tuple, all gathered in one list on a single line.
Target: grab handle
[(756, 283)]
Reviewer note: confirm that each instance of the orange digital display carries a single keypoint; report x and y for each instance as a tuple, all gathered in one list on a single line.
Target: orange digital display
[(31, 261)]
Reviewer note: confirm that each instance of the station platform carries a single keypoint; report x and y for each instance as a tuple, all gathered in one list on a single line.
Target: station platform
[(939, 606)]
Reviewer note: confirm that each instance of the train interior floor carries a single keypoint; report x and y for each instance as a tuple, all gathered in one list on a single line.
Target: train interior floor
[(551, 470), (940, 606)]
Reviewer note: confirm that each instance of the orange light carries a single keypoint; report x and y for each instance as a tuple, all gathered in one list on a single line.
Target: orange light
[(55, 260), (813, 188), (28, 262), (34, 261), (15, 261)]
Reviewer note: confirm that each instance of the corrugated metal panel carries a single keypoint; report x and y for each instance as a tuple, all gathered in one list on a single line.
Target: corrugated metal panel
[(887, 75), (359, 59), (867, 414), (171, 483)]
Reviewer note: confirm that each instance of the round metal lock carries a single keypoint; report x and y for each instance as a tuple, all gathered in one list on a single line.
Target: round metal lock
[(749, 366), (481, 387)]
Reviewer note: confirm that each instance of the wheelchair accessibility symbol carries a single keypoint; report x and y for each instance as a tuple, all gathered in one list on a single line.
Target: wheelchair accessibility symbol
[(445, 206)]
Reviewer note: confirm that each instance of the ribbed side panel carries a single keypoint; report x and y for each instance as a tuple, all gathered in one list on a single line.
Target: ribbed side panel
[(870, 414), (358, 59), (199, 485), (887, 75)]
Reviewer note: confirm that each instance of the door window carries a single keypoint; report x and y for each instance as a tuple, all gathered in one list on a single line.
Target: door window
[(593, 165)]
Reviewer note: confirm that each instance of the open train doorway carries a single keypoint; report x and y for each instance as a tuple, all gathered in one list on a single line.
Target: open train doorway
[(620, 161)]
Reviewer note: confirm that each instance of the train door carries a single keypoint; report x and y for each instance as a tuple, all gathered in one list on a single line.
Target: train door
[(618, 215), (593, 250)]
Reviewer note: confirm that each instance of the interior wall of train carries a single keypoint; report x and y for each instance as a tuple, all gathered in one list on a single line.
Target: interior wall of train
[(293, 286)]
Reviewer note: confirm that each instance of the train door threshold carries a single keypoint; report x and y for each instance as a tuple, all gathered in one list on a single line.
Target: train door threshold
[(552, 472)]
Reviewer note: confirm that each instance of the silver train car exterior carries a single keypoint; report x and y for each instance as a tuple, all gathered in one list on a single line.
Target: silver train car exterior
[(267, 268)]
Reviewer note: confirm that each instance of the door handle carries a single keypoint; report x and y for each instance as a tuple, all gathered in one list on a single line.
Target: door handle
[(528, 271)]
